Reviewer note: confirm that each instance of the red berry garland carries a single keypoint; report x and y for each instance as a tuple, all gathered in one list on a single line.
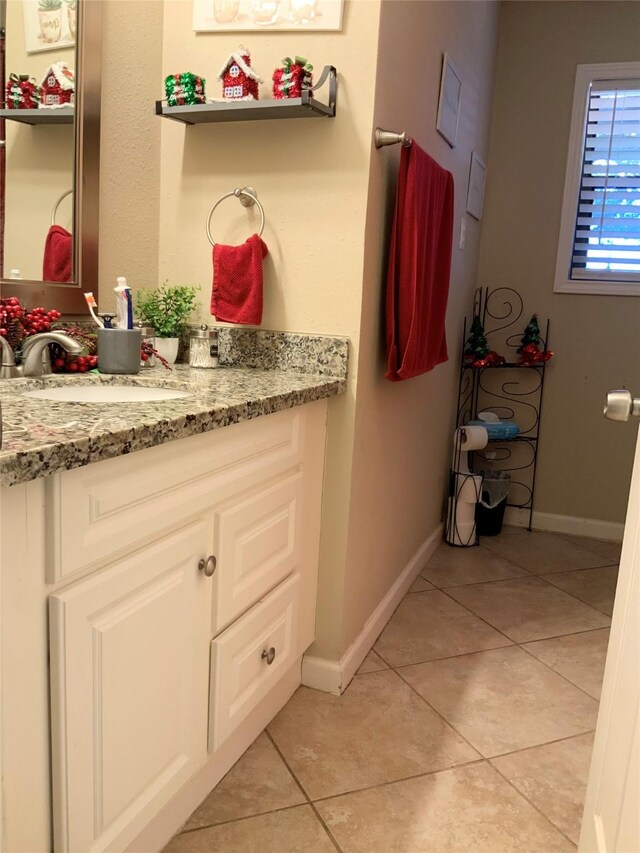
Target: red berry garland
[(16, 324)]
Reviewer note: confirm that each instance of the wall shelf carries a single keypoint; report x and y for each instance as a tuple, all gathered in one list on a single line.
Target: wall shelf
[(307, 106), (62, 115)]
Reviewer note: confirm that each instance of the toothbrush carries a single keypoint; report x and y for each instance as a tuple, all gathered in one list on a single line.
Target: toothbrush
[(129, 297), (93, 305), (121, 304)]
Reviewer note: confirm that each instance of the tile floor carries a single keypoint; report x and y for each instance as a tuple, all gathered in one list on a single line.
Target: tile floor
[(468, 727)]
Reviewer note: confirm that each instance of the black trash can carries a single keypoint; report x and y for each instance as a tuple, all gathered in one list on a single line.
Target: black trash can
[(493, 501)]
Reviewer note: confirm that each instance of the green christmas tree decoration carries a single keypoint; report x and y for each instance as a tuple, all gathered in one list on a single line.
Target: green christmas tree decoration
[(531, 334), (477, 346)]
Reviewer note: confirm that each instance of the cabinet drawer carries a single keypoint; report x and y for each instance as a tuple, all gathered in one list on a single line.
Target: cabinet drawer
[(241, 675), (257, 544), (101, 510)]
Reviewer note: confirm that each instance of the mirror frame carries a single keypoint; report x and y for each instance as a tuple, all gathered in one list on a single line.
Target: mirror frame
[(68, 297)]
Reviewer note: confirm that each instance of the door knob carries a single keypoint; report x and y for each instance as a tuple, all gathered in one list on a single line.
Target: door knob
[(620, 405), (269, 655), (208, 566)]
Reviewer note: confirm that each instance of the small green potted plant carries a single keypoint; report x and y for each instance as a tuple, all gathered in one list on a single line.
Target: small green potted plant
[(168, 310)]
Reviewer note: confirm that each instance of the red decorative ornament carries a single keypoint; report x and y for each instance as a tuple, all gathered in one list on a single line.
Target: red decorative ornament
[(22, 92), (491, 359), (294, 77), (531, 354), (239, 80)]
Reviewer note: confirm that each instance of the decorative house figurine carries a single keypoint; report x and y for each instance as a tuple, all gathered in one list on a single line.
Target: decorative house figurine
[(58, 86), (22, 92), (239, 80), (186, 88), (292, 78)]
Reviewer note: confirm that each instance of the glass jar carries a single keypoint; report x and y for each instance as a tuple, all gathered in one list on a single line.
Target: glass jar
[(148, 337), (203, 347)]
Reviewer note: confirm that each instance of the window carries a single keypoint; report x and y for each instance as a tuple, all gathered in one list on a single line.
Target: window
[(233, 92), (599, 245), (234, 71)]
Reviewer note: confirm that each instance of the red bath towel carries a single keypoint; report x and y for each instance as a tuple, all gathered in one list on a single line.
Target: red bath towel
[(419, 266), (236, 295), (58, 252)]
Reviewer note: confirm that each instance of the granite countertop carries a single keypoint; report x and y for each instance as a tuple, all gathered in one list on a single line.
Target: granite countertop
[(42, 437)]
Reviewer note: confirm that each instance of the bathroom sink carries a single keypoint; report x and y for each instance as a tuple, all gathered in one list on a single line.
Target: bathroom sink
[(106, 394)]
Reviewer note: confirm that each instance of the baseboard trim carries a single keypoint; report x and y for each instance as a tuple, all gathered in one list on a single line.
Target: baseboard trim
[(593, 528), (334, 676)]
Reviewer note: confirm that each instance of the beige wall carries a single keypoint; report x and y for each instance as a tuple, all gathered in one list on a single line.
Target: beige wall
[(403, 430), (130, 145), (39, 161), (312, 177), (585, 461)]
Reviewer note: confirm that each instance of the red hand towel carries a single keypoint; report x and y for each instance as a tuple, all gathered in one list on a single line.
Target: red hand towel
[(58, 252), (236, 295), (419, 266)]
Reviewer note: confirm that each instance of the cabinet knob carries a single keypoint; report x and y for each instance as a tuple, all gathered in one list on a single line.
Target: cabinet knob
[(269, 655), (208, 566)]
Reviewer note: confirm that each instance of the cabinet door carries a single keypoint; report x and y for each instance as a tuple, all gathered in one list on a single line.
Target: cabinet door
[(129, 682), (257, 544)]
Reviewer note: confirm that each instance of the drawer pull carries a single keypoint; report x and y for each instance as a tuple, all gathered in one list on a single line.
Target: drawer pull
[(269, 655), (208, 566)]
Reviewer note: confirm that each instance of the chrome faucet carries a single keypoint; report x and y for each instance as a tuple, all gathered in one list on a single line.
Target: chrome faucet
[(35, 354), (8, 368)]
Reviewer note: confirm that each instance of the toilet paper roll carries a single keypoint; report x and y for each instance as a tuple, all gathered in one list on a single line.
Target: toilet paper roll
[(472, 438), (465, 439), (461, 526), (468, 487)]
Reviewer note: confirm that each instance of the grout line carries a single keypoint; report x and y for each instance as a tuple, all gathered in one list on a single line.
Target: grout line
[(442, 717), (538, 745), (536, 639), (306, 796), (325, 827), (568, 680), (580, 547), (566, 536), (569, 634), (586, 603), (535, 807), (389, 782), (521, 577), (237, 819), (508, 645), (481, 618)]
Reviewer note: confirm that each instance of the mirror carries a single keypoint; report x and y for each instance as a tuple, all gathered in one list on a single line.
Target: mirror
[(49, 150)]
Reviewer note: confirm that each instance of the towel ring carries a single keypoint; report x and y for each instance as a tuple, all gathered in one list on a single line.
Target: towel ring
[(247, 197), (57, 205)]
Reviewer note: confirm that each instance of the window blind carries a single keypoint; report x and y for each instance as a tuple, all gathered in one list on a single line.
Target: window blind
[(606, 243)]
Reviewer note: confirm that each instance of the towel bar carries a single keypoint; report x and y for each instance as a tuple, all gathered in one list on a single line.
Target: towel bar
[(247, 197), (57, 205), (390, 137)]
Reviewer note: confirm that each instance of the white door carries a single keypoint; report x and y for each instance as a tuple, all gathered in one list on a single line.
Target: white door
[(611, 822), (129, 686)]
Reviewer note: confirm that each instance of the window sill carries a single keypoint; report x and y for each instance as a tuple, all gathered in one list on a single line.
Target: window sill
[(597, 288)]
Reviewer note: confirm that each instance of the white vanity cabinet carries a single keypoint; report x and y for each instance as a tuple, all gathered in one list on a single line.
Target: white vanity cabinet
[(180, 585)]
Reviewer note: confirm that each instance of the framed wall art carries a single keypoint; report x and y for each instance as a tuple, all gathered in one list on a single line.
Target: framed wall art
[(227, 16), (475, 191), (50, 25), (449, 101)]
